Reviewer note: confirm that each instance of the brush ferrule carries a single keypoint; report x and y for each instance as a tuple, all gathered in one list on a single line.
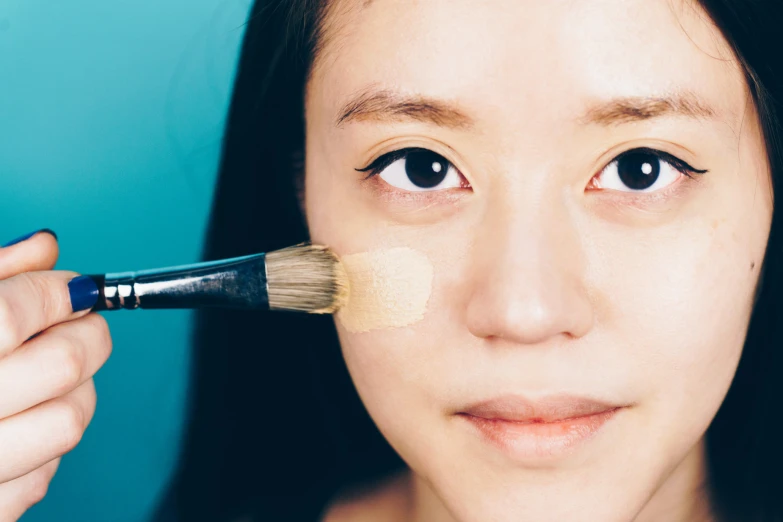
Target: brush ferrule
[(232, 283)]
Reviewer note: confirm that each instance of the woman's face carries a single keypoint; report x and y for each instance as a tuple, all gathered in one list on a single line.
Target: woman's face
[(576, 249)]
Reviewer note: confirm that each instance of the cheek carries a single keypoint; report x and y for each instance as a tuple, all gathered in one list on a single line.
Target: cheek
[(383, 364), (389, 369), (402, 359), (676, 314), (414, 369)]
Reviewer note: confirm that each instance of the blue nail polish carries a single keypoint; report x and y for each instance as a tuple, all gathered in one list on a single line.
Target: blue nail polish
[(28, 236), (84, 293)]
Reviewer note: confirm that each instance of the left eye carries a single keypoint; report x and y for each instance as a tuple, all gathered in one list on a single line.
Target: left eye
[(643, 170), (416, 170)]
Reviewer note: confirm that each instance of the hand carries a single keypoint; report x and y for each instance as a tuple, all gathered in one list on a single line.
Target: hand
[(48, 355)]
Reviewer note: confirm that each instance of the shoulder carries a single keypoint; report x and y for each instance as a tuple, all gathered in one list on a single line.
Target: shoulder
[(384, 501)]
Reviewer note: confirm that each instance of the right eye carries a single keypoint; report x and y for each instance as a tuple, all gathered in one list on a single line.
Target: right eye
[(416, 170)]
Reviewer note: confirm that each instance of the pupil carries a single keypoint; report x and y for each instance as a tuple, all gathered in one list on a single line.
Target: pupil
[(638, 170), (425, 169)]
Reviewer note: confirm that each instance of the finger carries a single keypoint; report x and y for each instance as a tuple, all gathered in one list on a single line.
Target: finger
[(38, 252), (56, 362), (30, 439), (34, 301), (20, 494)]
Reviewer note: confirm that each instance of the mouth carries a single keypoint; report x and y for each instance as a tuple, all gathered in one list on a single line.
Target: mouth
[(534, 431)]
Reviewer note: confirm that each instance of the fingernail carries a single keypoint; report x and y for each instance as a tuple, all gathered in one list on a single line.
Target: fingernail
[(84, 293), (28, 236)]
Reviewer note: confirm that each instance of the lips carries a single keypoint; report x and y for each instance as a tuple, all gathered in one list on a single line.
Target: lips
[(547, 409), (530, 431)]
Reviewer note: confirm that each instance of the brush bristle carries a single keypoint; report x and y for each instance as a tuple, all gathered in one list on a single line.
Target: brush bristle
[(306, 278)]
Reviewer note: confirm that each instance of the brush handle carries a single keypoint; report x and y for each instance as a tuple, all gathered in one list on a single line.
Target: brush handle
[(239, 282)]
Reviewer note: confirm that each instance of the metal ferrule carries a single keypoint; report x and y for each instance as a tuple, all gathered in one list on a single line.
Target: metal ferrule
[(232, 283)]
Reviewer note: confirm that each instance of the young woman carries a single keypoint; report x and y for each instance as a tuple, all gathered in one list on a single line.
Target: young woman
[(593, 183)]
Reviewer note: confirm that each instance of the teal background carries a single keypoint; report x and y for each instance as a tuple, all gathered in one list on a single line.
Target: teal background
[(111, 115)]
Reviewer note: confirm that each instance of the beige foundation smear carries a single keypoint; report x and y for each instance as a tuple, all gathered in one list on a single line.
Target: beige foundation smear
[(387, 289)]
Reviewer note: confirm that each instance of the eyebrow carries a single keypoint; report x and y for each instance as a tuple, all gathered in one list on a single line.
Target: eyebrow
[(385, 105), (633, 109)]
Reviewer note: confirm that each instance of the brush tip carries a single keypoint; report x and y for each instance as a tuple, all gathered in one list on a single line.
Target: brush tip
[(306, 278)]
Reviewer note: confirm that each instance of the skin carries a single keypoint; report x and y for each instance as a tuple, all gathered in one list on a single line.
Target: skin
[(544, 283), (47, 395)]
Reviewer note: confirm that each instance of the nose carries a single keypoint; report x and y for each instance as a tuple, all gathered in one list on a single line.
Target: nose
[(527, 283)]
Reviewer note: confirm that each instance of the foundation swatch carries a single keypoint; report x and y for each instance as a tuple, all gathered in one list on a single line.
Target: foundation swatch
[(387, 289)]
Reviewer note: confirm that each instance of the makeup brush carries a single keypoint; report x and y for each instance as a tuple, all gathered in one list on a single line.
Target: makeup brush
[(303, 278)]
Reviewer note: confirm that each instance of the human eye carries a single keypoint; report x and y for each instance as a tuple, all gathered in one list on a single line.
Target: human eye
[(642, 170), (416, 169)]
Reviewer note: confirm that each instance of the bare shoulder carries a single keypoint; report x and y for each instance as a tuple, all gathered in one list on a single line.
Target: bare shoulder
[(385, 501)]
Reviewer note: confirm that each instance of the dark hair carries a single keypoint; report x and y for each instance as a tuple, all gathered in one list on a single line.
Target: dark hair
[(276, 426)]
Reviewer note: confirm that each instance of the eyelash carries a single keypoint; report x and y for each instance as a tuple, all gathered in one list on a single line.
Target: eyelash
[(379, 164), (680, 165)]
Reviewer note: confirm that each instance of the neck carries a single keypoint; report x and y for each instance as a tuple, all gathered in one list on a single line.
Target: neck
[(426, 506)]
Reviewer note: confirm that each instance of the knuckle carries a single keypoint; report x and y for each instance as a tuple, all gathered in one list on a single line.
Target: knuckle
[(37, 289), (91, 401), (9, 329), (65, 366), (102, 332), (69, 427), (38, 486), (51, 299)]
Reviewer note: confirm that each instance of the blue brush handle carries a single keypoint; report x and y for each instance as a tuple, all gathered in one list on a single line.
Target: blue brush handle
[(240, 282)]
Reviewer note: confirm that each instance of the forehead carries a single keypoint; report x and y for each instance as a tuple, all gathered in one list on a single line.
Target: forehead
[(497, 55)]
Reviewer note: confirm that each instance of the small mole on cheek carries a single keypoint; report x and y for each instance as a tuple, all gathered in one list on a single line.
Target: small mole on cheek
[(752, 265)]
